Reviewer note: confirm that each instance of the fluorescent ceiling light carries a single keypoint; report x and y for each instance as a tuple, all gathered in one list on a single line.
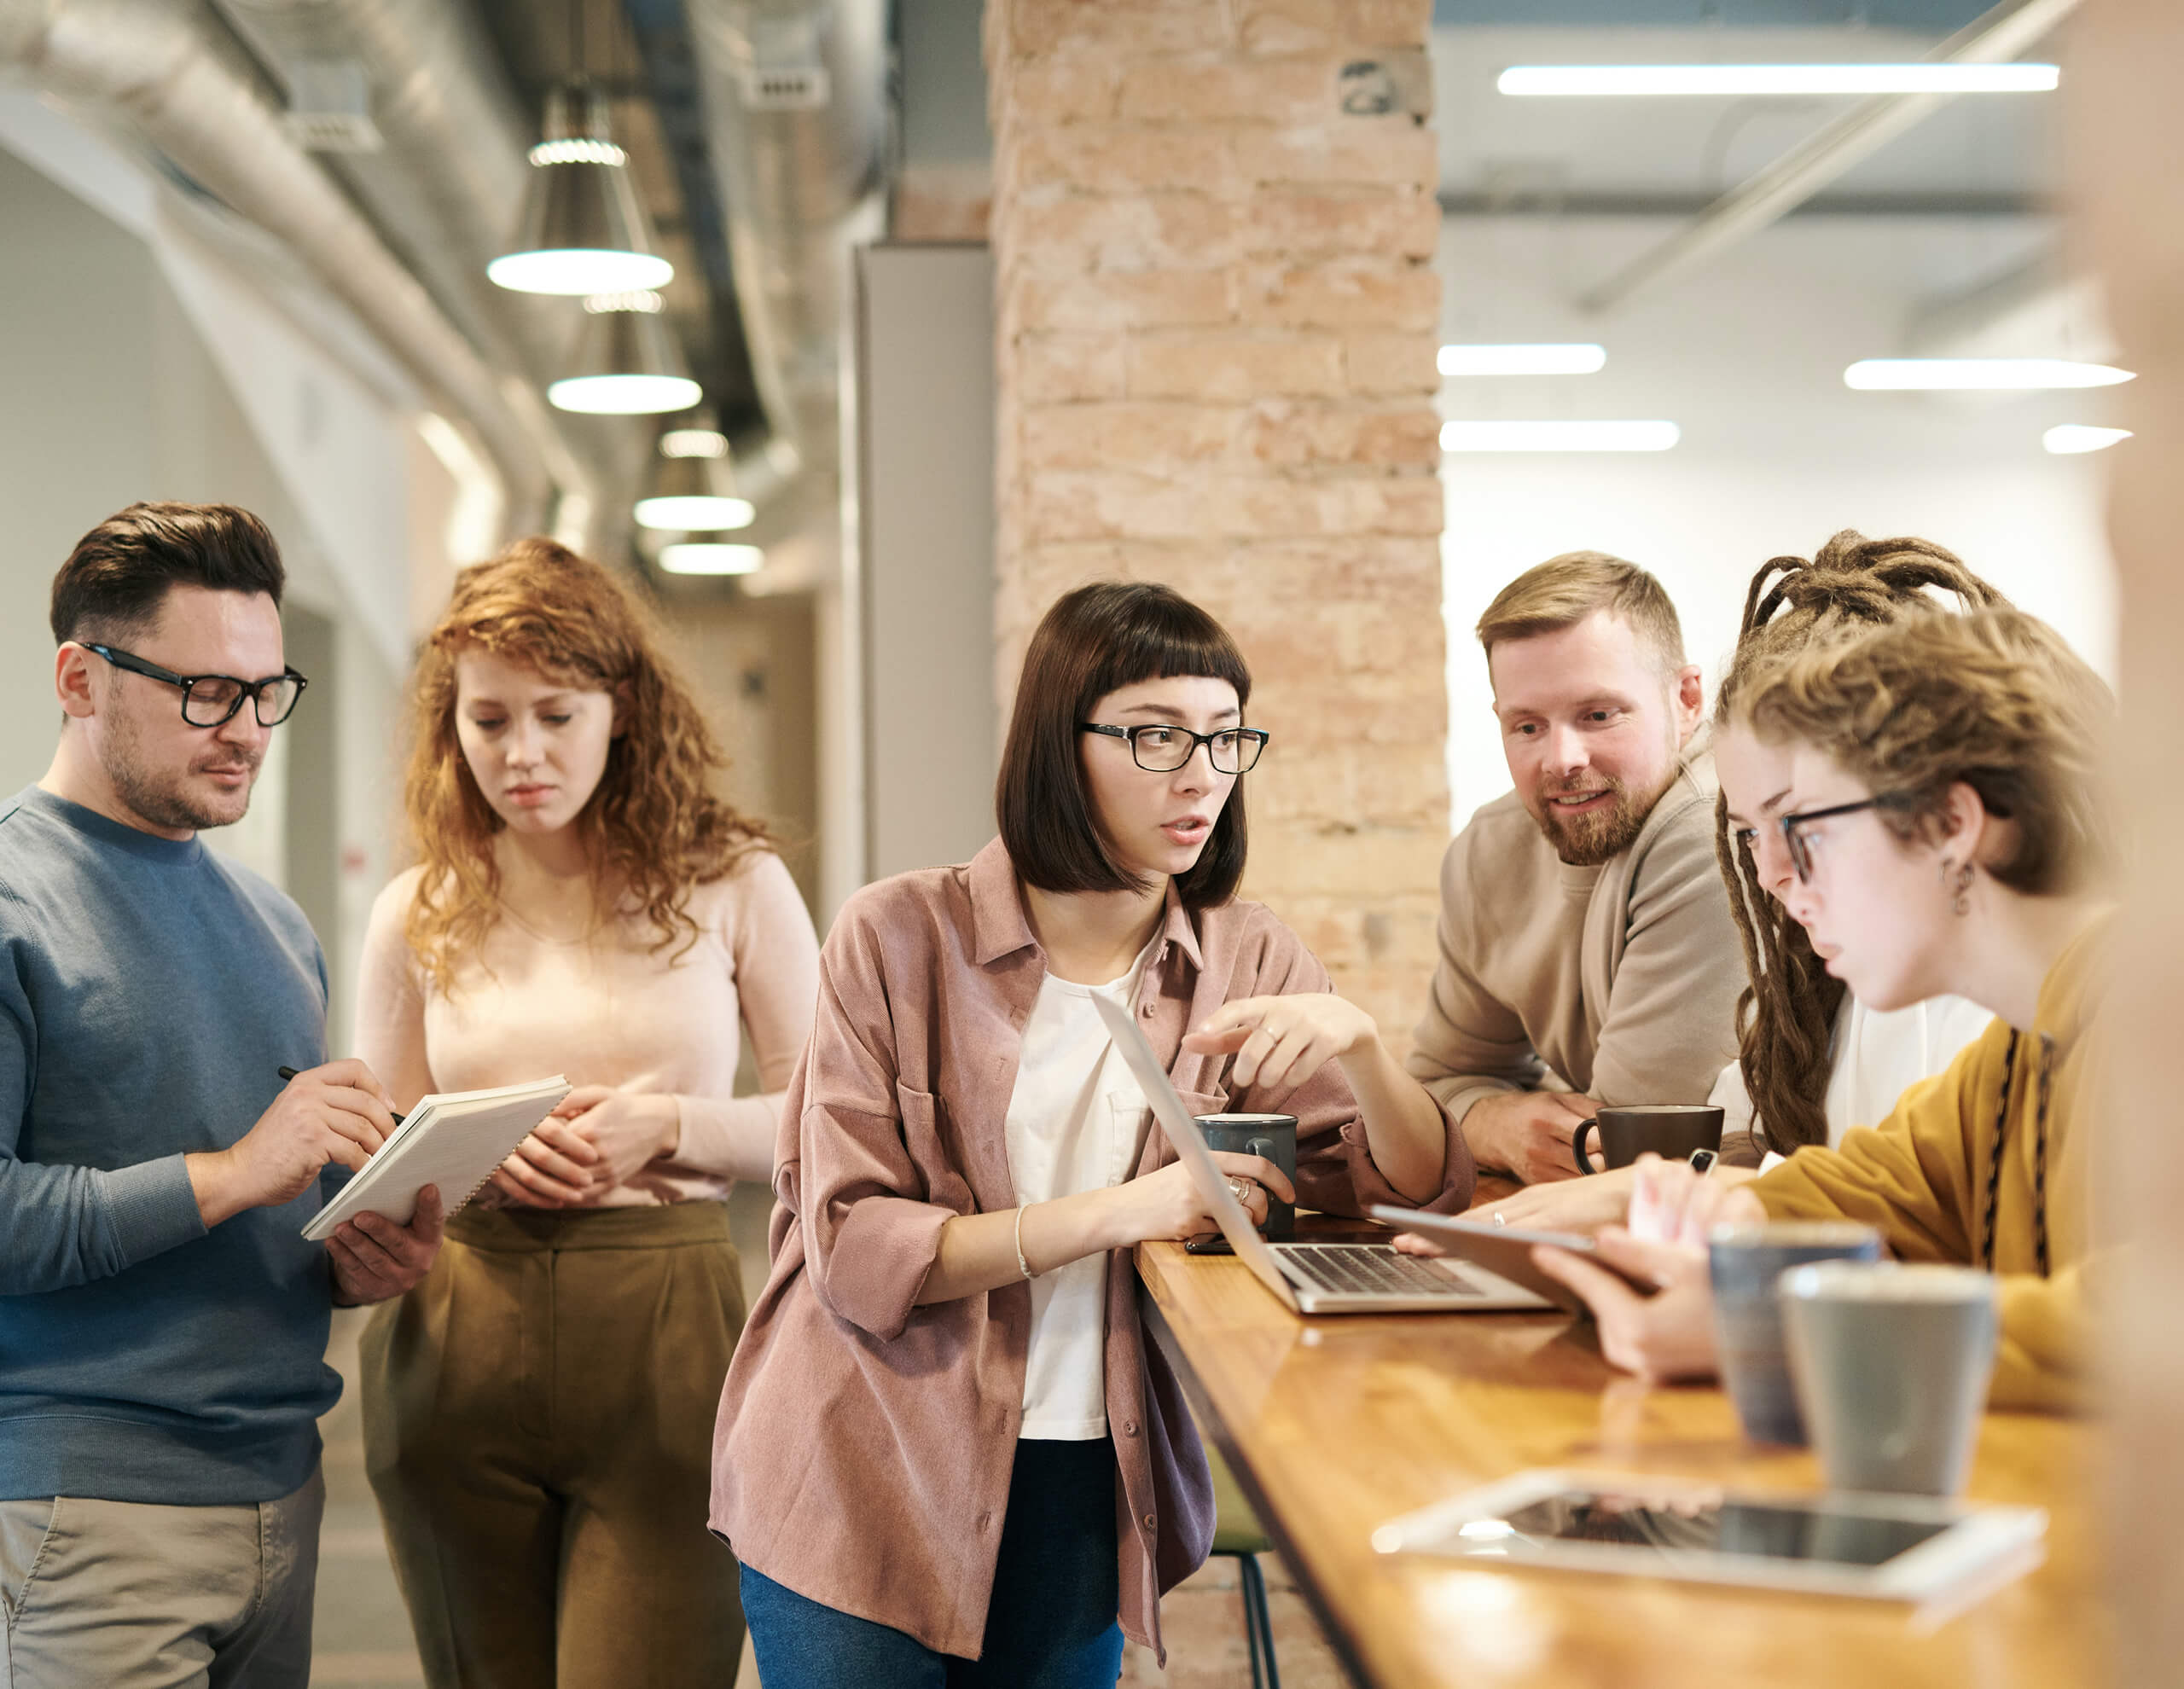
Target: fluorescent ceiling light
[(1942, 78), (2069, 438), (1978, 374), (1559, 436), (695, 512), (1545, 359), (704, 558)]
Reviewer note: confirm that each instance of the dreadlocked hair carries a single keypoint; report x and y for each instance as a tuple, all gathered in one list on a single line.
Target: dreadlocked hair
[(1786, 1017)]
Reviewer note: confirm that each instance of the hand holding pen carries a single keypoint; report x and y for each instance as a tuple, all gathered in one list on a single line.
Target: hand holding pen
[(337, 1113), (287, 1072), (373, 1257)]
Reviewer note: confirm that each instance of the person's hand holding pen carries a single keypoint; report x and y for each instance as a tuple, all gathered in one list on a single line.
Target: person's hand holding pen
[(337, 1113)]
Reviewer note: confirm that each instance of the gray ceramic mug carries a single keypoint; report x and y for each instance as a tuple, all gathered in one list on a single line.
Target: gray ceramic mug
[(1272, 1135), (1891, 1364), (1744, 1263)]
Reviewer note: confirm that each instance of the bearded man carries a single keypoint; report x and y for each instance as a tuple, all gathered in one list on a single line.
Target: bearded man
[(1587, 951), (163, 1319)]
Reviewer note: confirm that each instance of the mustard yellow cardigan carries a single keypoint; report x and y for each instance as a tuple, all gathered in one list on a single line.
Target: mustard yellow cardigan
[(1921, 1176)]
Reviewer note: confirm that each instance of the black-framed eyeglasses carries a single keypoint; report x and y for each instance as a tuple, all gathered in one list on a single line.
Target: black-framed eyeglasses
[(1160, 748), (211, 700), (1800, 847)]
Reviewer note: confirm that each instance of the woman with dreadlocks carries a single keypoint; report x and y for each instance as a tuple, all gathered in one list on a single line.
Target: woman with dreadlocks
[(1814, 1061), (1942, 830)]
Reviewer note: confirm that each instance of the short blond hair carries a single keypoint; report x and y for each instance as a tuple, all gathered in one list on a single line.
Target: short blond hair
[(1565, 590)]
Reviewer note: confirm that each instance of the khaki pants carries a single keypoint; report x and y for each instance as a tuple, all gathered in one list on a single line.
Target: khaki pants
[(539, 1420), (136, 1595)]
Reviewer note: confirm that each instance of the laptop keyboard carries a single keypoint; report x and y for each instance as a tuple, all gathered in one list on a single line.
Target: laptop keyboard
[(1372, 1269)]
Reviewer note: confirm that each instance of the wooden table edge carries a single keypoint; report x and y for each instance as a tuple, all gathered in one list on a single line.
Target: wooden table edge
[(1210, 1422)]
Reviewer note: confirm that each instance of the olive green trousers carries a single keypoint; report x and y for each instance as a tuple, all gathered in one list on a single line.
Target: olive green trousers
[(538, 1423)]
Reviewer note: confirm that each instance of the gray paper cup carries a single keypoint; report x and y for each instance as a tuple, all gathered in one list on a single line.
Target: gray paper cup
[(1891, 1364), (1745, 1262)]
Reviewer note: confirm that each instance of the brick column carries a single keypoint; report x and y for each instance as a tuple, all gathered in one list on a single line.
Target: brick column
[(1214, 224)]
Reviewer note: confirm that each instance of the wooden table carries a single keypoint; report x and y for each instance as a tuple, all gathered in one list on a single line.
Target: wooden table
[(1334, 1423)]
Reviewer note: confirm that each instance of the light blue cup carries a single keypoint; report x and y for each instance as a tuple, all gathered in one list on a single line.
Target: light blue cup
[(1746, 1262)]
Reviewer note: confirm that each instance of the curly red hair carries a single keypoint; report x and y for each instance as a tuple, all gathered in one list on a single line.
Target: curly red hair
[(653, 828)]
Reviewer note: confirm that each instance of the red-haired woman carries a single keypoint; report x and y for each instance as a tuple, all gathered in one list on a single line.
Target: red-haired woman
[(947, 1454), (539, 1413)]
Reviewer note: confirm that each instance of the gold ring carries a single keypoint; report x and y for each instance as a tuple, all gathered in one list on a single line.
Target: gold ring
[(1240, 1189)]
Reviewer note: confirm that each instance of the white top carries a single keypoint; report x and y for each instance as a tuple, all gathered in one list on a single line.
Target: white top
[(1074, 1122), (1876, 1056)]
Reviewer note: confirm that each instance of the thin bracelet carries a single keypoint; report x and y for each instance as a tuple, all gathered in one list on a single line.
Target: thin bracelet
[(1022, 1265)]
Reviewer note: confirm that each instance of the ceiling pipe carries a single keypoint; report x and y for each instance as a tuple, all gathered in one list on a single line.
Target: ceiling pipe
[(1994, 36), (447, 188), (796, 108), (189, 90)]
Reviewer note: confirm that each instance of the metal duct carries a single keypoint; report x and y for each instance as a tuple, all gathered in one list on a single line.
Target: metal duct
[(796, 105), (447, 188), (170, 68)]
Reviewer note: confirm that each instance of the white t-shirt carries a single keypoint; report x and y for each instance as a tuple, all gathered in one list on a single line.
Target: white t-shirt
[(1074, 1122), (1876, 1056)]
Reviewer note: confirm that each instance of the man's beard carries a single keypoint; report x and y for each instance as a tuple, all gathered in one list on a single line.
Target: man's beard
[(1587, 840), (160, 797)]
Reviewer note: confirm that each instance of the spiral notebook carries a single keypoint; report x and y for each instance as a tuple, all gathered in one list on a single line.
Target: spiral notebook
[(453, 1139)]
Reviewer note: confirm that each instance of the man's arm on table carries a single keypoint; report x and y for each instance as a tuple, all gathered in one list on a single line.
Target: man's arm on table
[(1473, 1056)]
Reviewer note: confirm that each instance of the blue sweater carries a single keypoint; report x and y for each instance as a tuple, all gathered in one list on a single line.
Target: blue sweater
[(148, 991)]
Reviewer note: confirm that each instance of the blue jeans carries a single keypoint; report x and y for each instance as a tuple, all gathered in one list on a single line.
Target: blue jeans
[(1051, 1621)]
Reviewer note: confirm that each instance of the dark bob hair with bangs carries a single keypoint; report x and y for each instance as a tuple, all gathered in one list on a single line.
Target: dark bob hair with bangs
[(1095, 641)]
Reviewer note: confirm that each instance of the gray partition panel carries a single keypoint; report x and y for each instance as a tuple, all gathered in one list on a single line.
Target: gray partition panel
[(925, 479)]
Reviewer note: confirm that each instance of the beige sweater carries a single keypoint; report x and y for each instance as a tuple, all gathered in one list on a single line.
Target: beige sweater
[(613, 1012), (1618, 981)]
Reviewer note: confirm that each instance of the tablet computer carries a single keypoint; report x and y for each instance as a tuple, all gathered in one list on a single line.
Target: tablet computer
[(1916, 1548), (1506, 1251)]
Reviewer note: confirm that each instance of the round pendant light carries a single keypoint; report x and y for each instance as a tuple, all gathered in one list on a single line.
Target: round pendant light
[(582, 230), (706, 557), (626, 362), (693, 484)]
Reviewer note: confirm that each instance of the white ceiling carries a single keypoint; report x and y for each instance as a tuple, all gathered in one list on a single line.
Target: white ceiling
[(1980, 152)]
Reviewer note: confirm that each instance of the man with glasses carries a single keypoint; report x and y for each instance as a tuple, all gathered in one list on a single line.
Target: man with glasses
[(1588, 954), (163, 1321)]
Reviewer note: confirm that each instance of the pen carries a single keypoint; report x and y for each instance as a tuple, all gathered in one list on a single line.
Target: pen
[(290, 1073)]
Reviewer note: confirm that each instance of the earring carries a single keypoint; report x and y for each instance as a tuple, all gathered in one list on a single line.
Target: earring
[(1962, 904)]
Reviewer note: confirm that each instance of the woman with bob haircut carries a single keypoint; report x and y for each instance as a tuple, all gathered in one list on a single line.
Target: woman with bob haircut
[(1944, 831), (947, 1454), (538, 1411)]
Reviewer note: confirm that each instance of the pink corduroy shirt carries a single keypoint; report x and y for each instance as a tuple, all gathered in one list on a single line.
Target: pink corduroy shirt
[(865, 1444)]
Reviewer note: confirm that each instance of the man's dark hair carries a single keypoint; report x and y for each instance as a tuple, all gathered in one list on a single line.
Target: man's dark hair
[(115, 580), (1095, 641)]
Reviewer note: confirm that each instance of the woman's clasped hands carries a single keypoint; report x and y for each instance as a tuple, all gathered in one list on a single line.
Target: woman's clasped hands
[(597, 1138)]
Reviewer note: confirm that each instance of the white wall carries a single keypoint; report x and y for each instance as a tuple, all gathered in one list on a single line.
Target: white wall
[(1776, 453), (140, 365)]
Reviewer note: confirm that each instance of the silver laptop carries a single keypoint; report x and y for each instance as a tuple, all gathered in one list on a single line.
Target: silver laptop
[(1311, 1278)]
